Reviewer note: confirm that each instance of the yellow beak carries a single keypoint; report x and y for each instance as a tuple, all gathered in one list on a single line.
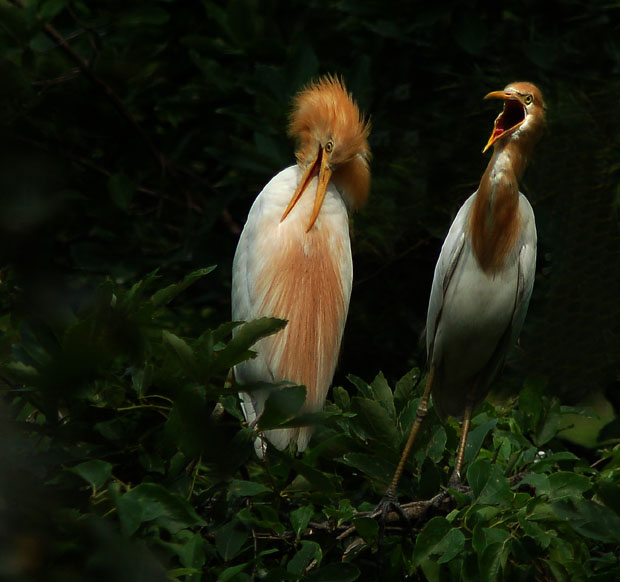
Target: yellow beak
[(497, 130), (320, 167)]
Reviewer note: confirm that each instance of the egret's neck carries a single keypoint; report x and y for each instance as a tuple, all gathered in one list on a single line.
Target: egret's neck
[(352, 180), (495, 219)]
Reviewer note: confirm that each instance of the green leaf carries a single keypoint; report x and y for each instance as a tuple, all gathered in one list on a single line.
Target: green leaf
[(367, 528), (300, 518), (497, 488), (182, 350), (609, 492), (376, 467), (530, 404), (148, 502), (240, 488), (244, 337), (319, 480), (341, 398), (403, 391), (230, 572), (532, 529), (383, 393), (192, 552), (476, 437), (344, 512), (540, 482), (166, 295), (568, 484), (262, 516), (550, 425), (490, 561), (50, 8), (375, 421), (364, 389), (308, 552), (121, 190), (95, 472), (589, 519), (281, 406), (436, 444), (229, 539), (478, 475), (438, 538)]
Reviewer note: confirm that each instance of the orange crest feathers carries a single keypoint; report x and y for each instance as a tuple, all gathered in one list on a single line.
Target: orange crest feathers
[(323, 111)]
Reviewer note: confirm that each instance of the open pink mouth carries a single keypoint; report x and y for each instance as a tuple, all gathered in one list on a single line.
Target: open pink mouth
[(513, 115)]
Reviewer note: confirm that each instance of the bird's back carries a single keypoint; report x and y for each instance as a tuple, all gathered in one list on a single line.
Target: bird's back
[(280, 270)]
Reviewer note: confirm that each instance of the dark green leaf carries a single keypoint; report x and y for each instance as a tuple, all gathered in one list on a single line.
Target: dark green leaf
[(245, 336), (149, 501), (281, 406), (95, 472), (568, 484), (308, 552), (383, 393), (300, 518), (476, 437), (376, 467), (165, 296), (229, 539), (241, 488), (182, 350), (438, 538), (478, 474), (367, 528), (491, 560), (364, 389), (375, 421), (404, 388)]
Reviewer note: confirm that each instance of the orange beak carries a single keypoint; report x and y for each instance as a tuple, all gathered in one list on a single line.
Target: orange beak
[(319, 166), (509, 119)]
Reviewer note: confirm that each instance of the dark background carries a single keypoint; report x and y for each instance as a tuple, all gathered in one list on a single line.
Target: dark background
[(134, 136), (90, 191)]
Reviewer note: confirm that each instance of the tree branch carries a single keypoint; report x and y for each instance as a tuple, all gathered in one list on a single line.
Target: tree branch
[(86, 70)]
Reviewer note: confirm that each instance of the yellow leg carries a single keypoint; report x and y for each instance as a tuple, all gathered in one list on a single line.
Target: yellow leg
[(455, 478), (422, 410)]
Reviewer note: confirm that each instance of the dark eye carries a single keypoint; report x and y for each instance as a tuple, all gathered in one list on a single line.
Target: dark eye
[(529, 99), (329, 146)]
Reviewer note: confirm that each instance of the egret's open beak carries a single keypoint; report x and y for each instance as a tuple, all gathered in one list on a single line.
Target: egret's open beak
[(320, 167), (510, 118)]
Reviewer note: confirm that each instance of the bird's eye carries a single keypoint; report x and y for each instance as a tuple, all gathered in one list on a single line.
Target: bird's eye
[(529, 99), (329, 146)]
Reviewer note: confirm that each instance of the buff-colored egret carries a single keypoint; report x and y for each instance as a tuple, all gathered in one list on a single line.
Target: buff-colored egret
[(483, 279), (293, 260)]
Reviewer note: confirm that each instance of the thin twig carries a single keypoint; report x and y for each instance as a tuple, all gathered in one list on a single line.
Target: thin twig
[(86, 70)]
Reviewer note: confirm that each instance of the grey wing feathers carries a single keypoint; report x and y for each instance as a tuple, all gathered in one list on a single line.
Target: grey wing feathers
[(446, 264)]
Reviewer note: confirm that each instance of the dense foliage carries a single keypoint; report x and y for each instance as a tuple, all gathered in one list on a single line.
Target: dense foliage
[(134, 137)]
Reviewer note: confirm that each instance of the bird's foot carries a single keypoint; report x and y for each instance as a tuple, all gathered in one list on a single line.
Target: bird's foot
[(388, 503), (455, 484)]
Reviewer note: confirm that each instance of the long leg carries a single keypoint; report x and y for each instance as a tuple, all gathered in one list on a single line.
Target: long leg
[(421, 413), (389, 498), (455, 478)]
